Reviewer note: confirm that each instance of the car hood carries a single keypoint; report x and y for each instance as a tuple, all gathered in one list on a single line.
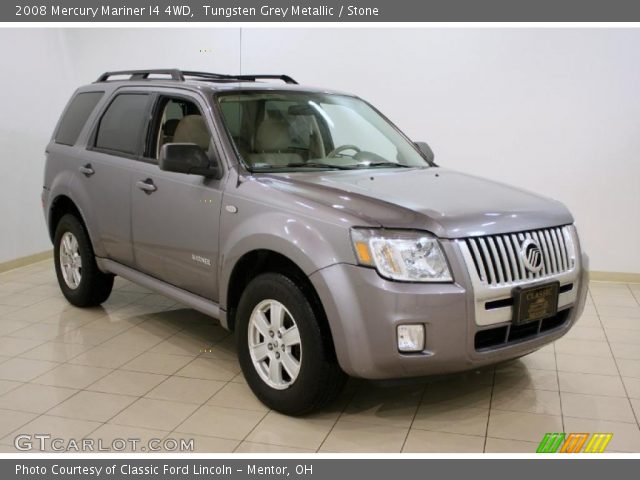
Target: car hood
[(450, 204)]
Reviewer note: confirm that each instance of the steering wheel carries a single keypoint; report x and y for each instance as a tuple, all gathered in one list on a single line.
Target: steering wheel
[(338, 151)]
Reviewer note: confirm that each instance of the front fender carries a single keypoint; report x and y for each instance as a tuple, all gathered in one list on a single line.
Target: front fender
[(296, 238)]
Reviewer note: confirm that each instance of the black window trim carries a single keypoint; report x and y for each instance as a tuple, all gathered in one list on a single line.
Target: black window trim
[(91, 144)]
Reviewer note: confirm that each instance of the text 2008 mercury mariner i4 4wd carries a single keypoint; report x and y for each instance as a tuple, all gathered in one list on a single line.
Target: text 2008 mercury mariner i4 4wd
[(309, 225)]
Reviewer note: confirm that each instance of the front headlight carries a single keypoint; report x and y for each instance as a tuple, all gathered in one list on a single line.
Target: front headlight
[(408, 256)]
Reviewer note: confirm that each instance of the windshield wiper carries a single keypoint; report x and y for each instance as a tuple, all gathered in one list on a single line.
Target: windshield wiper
[(355, 166), (318, 165), (384, 164)]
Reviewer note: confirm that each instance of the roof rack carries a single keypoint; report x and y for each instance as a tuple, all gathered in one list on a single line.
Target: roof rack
[(180, 76), (244, 78), (142, 74)]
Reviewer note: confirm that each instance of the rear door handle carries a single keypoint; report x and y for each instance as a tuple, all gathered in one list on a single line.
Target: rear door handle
[(87, 170), (146, 186)]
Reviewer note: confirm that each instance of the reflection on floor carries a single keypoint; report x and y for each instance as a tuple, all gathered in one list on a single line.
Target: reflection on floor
[(143, 367)]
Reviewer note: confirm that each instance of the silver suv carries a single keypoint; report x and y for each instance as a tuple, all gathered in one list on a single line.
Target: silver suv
[(308, 224)]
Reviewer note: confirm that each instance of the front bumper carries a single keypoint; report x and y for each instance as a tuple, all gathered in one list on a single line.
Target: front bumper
[(364, 310)]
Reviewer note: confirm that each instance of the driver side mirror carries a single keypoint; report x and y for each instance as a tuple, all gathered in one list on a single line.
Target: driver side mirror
[(187, 158), (426, 151)]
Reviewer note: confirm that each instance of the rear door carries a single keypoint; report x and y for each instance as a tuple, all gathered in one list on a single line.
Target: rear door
[(105, 172), (175, 217)]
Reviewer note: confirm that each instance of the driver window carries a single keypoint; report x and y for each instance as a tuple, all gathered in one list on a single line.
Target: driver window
[(180, 121)]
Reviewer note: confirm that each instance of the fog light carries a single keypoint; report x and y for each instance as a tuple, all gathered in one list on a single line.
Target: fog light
[(411, 338)]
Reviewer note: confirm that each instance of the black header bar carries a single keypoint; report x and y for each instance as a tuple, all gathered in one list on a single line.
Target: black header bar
[(185, 11)]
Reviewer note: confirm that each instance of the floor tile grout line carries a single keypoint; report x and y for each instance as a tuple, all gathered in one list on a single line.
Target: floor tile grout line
[(71, 307), (66, 362), (54, 296), (143, 396), (632, 422), (174, 431), (91, 391), (135, 397), (118, 413), (40, 374), (593, 305), (615, 360), (38, 415), (44, 413), (415, 414), (49, 341), (339, 416), (633, 294), (244, 439), (111, 370), (486, 431), (125, 305), (221, 407), (203, 404), (555, 355)]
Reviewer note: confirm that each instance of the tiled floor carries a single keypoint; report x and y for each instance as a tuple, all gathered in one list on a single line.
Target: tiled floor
[(145, 367)]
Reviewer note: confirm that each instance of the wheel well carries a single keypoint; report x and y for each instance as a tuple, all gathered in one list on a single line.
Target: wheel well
[(257, 262), (60, 207)]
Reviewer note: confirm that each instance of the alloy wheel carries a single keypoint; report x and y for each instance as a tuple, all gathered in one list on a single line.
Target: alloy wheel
[(274, 344)]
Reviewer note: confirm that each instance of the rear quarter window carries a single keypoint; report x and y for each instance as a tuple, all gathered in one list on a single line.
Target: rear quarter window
[(76, 116), (123, 124)]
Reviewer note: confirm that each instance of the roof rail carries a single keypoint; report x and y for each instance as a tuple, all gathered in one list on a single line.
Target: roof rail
[(179, 75), (243, 78), (143, 74)]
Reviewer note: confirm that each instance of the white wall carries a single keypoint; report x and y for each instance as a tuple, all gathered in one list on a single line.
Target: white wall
[(556, 111), (552, 110), (34, 87), (43, 68), (95, 51)]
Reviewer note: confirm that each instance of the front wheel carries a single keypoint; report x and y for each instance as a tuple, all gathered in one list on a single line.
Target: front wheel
[(285, 356), (80, 280)]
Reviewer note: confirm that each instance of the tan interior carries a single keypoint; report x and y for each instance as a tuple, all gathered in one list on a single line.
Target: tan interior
[(271, 144), (192, 129)]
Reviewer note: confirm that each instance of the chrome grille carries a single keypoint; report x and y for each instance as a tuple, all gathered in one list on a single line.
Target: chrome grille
[(498, 260)]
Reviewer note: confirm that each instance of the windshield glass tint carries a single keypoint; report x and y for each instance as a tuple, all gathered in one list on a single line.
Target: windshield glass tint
[(291, 130)]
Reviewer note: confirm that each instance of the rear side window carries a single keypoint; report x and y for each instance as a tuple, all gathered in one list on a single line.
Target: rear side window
[(76, 116), (123, 124)]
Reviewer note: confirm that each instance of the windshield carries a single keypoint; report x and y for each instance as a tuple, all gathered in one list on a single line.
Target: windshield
[(292, 130)]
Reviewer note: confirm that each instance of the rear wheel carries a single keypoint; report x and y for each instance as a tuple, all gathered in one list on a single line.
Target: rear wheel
[(80, 280), (285, 356)]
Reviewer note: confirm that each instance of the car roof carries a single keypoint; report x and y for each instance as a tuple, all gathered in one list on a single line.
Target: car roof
[(203, 81), (204, 86)]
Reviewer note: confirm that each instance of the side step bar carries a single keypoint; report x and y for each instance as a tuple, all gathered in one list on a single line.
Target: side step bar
[(194, 301)]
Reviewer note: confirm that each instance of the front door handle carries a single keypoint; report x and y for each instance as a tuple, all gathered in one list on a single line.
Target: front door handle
[(146, 185), (87, 170)]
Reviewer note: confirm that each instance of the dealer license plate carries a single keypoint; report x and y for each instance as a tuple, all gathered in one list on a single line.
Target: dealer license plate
[(535, 303)]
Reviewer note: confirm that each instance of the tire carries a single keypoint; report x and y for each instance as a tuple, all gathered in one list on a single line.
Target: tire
[(91, 287), (319, 378)]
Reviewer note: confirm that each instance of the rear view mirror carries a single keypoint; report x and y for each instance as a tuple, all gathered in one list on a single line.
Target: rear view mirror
[(187, 158), (426, 151)]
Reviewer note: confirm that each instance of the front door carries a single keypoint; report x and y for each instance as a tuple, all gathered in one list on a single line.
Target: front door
[(175, 217)]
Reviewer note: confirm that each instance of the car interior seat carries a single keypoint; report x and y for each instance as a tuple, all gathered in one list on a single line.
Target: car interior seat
[(192, 129), (271, 144)]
